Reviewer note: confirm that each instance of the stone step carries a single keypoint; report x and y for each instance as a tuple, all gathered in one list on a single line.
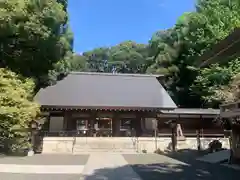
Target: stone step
[(99, 150), (102, 147)]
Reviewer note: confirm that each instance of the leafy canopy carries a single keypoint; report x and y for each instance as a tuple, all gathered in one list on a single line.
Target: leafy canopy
[(34, 36)]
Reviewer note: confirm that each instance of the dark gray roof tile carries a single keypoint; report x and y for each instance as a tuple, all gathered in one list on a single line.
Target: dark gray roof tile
[(101, 90)]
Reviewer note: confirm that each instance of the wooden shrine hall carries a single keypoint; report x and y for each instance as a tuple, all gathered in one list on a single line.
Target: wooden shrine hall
[(102, 104), (118, 105)]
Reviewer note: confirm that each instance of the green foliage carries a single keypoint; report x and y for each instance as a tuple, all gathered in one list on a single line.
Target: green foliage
[(34, 36), (175, 50), (230, 92), (97, 59), (212, 81), (17, 109), (126, 57), (172, 52)]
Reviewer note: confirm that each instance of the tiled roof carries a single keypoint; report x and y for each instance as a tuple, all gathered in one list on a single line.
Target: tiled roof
[(105, 90)]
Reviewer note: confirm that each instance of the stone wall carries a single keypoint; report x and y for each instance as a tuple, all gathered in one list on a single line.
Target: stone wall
[(119, 144), (58, 145), (149, 144)]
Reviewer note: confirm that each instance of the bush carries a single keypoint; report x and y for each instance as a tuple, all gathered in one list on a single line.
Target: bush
[(214, 146), (159, 151), (144, 151), (17, 110)]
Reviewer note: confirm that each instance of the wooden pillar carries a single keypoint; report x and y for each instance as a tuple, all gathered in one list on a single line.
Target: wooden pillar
[(138, 126), (143, 124), (91, 124), (198, 140), (65, 121), (70, 123), (174, 137), (46, 123), (116, 123), (199, 146)]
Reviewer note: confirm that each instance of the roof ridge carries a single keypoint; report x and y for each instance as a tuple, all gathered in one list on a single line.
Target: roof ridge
[(115, 74)]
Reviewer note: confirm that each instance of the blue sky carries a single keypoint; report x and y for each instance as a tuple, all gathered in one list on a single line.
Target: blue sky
[(97, 23)]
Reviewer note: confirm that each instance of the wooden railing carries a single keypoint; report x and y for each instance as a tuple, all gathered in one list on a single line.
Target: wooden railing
[(124, 133), (103, 132)]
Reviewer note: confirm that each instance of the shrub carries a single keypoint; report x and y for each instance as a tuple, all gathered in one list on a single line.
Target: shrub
[(17, 110), (158, 151), (215, 145)]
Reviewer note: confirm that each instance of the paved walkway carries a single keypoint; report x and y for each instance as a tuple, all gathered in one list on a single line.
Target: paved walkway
[(112, 166), (100, 166), (106, 166), (43, 167)]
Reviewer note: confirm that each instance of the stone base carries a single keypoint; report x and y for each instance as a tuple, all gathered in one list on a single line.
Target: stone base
[(120, 144), (181, 138), (30, 153)]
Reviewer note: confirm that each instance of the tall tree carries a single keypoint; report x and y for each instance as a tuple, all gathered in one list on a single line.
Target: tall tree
[(177, 49), (126, 57), (222, 17), (129, 57), (32, 34), (211, 82), (97, 59)]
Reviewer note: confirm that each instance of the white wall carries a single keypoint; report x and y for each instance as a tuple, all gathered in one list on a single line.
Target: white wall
[(56, 124)]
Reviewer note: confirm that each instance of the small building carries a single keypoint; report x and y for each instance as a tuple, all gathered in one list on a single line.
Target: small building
[(221, 53), (102, 104), (122, 108)]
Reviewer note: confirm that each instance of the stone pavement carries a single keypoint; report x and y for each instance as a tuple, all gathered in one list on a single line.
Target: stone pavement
[(67, 167), (42, 167), (109, 166)]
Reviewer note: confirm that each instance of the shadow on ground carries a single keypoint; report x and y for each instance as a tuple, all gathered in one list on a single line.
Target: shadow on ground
[(187, 155), (174, 166)]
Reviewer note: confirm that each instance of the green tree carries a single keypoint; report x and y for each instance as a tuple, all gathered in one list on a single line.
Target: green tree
[(78, 63), (17, 110), (176, 50), (33, 36), (128, 57), (230, 92), (212, 82), (97, 59)]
